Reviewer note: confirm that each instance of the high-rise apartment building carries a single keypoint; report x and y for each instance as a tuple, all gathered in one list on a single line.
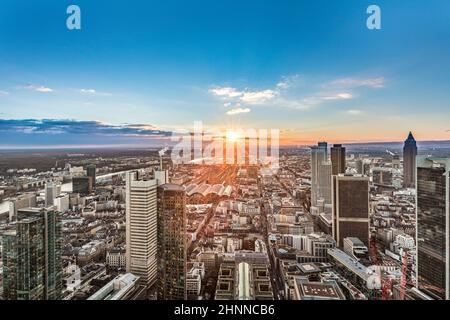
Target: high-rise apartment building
[(350, 208), (338, 159), (171, 242), (141, 228), (433, 226), (32, 256), (409, 162)]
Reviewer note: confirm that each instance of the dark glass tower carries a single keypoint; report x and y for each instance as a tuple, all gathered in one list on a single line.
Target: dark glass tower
[(433, 240), (409, 162), (32, 256), (350, 211), (90, 172), (319, 156), (171, 242), (338, 159)]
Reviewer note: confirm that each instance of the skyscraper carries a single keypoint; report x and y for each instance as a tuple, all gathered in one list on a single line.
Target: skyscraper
[(350, 208), (50, 193), (141, 228), (171, 242), (91, 173), (81, 185), (338, 159), (433, 226), (319, 157), (32, 256), (409, 162)]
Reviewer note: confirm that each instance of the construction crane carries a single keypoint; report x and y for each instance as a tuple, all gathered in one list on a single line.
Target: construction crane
[(386, 288), (404, 275), (386, 282), (374, 255)]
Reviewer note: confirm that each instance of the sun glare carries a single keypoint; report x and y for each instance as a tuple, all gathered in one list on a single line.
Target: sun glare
[(232, 136)]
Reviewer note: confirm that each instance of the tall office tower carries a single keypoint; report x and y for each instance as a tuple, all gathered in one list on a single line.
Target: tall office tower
[(409, 162), (338, 159), (141, 232), (50, 193), (81, 185), (323, 145), (359, 166), (32, 256), (350, 208), (91, 173), (324, 174), (433, 226), (319, 154), (171, 242)]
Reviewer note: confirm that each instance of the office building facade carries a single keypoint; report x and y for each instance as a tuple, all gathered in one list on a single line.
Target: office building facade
[(433, 226), (350, 211), (338, 159), (172, 242), (141, 228), (32, 256), (409, 161)]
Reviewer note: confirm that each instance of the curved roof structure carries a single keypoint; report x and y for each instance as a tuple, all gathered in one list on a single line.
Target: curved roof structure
[(207, 189)]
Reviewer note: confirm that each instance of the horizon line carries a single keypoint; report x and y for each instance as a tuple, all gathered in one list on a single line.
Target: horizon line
[(141, 146)]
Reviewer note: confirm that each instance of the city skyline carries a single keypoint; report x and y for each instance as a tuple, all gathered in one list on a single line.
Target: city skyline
[(132, 77)]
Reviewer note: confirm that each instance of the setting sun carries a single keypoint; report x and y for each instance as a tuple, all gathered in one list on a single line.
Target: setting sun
[(232, 136)]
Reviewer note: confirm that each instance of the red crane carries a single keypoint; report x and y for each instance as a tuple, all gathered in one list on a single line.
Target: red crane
[(404, 275)]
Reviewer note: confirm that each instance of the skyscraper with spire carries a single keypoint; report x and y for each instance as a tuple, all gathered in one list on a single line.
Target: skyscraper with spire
[(409, 162)]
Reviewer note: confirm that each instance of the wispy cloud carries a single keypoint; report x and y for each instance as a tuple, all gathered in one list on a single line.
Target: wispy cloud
[(94, 92), (258, 97), (236, 111), (36, 88), (313, 100), (68, 126), (350, 82), (225, 92), (287, 81), (337, 96), (354, 112), (3, 93), (285, 93), (249, 97), (88, 91)]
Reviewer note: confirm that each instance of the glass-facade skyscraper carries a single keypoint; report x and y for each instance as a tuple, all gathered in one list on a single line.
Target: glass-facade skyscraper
[(91, 173), (409, 161), (171, 242), (433, 226), (338, 159), (350, 208), (321, 170), (32, 256)]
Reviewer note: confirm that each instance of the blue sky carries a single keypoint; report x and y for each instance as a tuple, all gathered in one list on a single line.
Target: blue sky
[(309, 68)]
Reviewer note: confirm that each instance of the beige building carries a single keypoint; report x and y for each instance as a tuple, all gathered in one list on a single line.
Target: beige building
[(141, 228)]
